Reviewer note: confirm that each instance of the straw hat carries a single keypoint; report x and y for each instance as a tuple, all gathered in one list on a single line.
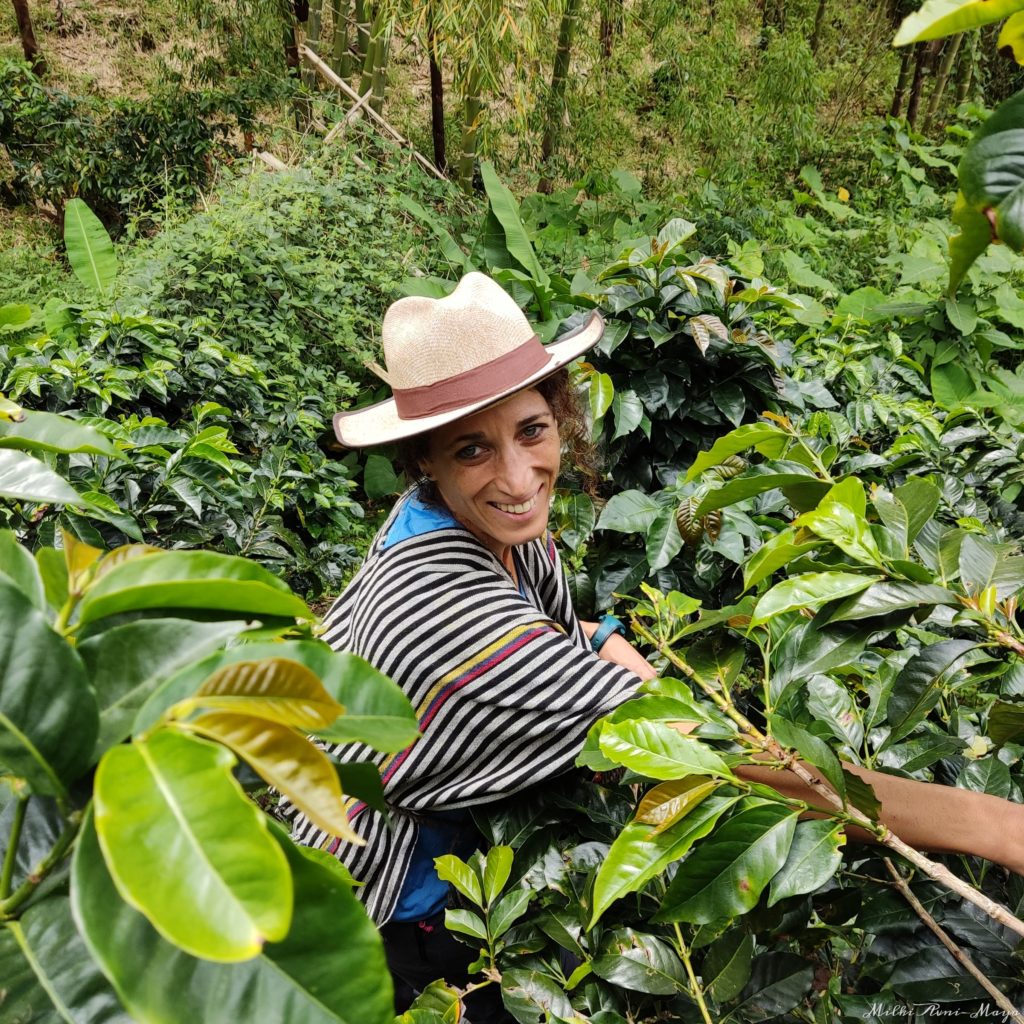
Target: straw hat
[(447, 358)]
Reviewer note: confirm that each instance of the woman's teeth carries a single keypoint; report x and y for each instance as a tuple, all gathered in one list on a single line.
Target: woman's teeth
[(518, 509)]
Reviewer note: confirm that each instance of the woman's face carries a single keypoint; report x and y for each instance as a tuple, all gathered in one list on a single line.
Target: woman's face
[(496, 470)]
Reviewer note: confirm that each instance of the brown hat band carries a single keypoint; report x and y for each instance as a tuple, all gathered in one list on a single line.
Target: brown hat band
[(488, 380)]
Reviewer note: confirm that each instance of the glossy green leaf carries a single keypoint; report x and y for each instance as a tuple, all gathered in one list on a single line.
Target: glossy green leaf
[(201, 580), (920, 499), (530, 996), (769, 440), (972, 238), (48, 974), (465, 922), (987, 775), (127, 663), (640, 852), (279, 689), (576, 516), (809, 648), (808, 590), (380, 478), (639, 963), (1011, 36), (48, 716), (778, 983), (982, 565), (938, 18), (286, 761), (45, 432), (885, 597), (24, 478), (726, 967), (813, 859), (455, 870), (776, 552), (21, 569), (627, 413), (329, 970), (601, 393), (744, 487), (917, 688), (497, 868), (629, 512), (90, 250), (659, 751), (509, 909), (726, 874), (664, 541), (169, 808)]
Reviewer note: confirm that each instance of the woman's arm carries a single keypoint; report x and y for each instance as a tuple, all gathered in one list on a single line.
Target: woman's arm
[(619, 651)]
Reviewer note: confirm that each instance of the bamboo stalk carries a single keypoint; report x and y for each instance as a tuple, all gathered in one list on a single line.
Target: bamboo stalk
[(819, 22), (902, 81), (556, 94), (937, 872), (313, 25), (942, 77), (341, 59), (339, 83), (470, 130), (27, 34), (436, 96), (956, 952), (272, 161)]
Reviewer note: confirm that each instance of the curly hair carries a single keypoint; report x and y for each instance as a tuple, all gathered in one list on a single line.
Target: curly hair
[(578, 451)]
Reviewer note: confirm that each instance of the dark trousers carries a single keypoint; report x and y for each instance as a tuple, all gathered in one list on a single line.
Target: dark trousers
[(420, 952)]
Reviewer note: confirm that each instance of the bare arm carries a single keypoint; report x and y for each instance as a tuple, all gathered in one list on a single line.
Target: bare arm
[(618, 650)]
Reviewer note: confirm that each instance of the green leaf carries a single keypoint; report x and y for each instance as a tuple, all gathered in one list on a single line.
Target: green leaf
[(576, 516), (664, 541), (639, 963), (48, 716), (920, 499), (379, 477), (20, 568), (674, 233), (844, 528), (601, 393), (769, 440), (90, 250), (962, 315), (329, 970), (530, 995), (48, 972), (726, 874), (951, 385), (1005, 722), (508, 910), (169, 808), (43, 431), (983, 565), (201, 580), (452, 869), (127, 663), (778, 983), (748, 486), (497, 868), (466, 923), (731, 401), (813, 859), (24, 478), (629, 512), (1011, 37), (659, 751), (937, 18), (506, 210), (640, 852), (627, 411), (726, 967), (808, 590), (776, 552), (361, 779), (812, 749), (917, 688), (885, 597)]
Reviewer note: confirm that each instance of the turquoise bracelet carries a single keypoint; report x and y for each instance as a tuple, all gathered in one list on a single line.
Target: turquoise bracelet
[(608, 624)]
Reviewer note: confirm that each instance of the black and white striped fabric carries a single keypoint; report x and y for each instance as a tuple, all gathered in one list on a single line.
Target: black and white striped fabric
[(503, 681)]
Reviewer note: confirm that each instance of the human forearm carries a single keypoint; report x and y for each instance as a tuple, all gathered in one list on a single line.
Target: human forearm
[(619, 651)]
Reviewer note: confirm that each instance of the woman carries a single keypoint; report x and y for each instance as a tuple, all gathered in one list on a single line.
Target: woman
[(462, 601)]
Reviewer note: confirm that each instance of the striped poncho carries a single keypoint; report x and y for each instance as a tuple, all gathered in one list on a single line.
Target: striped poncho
[(502, 679)]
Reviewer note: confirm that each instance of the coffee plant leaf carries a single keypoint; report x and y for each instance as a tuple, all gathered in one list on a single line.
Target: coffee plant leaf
[(659, 751), (46, 432), (813, 859), (670, 802), (168, 807), (726, 967), (808, 590), (528, 995), (21, 569), (813, 749), (639, 963), (778, 983), (25, 478)]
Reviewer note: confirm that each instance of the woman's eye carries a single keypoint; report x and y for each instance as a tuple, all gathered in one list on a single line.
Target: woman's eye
[(471, 451), (533, 431)]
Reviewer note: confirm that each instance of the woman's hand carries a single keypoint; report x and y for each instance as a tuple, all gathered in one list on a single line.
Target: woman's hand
[(618, 650)]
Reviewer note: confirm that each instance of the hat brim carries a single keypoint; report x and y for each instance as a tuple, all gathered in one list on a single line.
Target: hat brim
[(381, 424)]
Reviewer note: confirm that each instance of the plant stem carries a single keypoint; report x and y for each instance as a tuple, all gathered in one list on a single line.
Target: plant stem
[(695, 986), (957, 953), (12, 847), (883, 835), (10, 904)]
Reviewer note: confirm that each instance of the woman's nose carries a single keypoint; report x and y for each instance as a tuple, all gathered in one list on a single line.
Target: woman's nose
[(515, 476)]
